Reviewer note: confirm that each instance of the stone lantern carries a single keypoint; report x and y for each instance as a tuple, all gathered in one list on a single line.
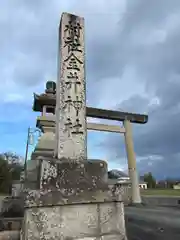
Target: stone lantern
[(46, 104)]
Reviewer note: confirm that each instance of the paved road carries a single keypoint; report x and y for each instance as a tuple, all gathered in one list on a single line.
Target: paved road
[(152, 223)]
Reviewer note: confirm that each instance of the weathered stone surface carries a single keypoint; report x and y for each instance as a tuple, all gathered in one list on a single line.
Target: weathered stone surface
[(75, 222), (46, 142), (32, 170), (64, 182), (42, 198), (54, 174), (112, 218), (46, 123), (72, 174), (71, 100), (32, 174)]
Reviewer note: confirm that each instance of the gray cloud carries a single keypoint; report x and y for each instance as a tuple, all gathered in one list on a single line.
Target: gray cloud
[(29, 40), (30, 43), (157, 63)]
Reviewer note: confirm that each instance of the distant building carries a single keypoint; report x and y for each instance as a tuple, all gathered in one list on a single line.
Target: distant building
[(120, 178), (142, 184), (176, 186)]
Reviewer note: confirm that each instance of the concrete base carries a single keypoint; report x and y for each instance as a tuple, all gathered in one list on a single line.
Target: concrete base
[(100, 221)]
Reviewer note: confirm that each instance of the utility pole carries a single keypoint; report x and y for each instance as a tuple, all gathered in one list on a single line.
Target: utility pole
[(30, 133), (26, 153)]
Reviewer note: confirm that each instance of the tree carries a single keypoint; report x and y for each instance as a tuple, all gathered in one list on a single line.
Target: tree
[(15, 164), (10, 169), (150, 180), (170, 182), (5, 176)]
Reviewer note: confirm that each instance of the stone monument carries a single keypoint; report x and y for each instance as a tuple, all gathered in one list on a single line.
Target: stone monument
[(72, 199)]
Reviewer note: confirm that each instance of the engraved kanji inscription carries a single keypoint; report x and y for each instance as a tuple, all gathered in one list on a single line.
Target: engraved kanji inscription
[(73, 28), (73, 44), (72, 79), (77, 105), (77, 127), (73, 62), (72, 33), (68, 126), (73, 128), (68, 103)]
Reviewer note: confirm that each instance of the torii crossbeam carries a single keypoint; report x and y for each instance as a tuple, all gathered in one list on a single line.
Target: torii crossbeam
[(116, 115)]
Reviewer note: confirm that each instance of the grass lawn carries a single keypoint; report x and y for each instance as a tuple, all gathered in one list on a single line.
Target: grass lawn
[(159, 192)]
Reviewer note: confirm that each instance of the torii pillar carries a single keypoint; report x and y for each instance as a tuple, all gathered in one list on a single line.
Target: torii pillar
[(135, 191)]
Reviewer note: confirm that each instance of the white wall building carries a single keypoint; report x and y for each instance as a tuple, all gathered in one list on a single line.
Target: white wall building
[(121, 177), (126, 180)]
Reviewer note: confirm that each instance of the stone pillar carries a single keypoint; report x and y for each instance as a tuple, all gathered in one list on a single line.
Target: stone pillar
[(72, 199), (136, 197), (70, 92)]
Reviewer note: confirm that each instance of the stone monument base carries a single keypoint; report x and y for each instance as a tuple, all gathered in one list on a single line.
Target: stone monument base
[(100, 221), (72, 201)]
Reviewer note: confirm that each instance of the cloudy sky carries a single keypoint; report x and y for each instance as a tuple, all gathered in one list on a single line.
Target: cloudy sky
[(132, 64)]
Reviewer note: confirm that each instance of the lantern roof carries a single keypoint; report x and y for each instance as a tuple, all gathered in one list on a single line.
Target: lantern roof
[(45, 99)]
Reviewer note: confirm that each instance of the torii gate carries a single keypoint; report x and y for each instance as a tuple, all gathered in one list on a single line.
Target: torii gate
[(126, 118)]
